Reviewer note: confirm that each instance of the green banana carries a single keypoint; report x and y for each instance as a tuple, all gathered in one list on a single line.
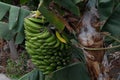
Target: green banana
[(44, 34), (30, 34), (59, 67), (68, 59), (38, 50), (50, 39), (57, 44), (30, 45), (34, 62), (52, 43), (47, 72), (35, 57), (56, 54), (43, 70), (42, 67), (67, 47), (47, 62), (64, 63), (57, 57), (52, 58), (32, 24), (51, 53), (59, 53), (59, 63), (40, 57), (53, 65), (34, 38), (43, 51), (62, 46), (44, 46), (29, 50), (49, 68), (40, 41), (47, 57), (27, 38), (37, 20), (36, 44), (40, 62), (30, 29)]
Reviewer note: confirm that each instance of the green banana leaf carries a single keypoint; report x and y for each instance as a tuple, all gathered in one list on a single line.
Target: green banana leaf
[(52, 18), (75, 71), (22, 14), (19, 38), (13, 16), (20, 28), (3, 9), (105, 9), (14, 28), (112, 25), (33, 75), (69, 5), (78, 54), (5, 33)]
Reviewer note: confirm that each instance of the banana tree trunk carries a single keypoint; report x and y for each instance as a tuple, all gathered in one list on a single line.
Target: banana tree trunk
[(13, 50), (89, 36)]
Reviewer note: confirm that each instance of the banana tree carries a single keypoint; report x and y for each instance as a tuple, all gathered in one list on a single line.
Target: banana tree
[(89, 27)]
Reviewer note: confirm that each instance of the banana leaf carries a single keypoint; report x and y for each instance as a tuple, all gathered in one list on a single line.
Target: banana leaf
[(112, 25), (14, 28), (33, 75), (75, 71), (19, 38), (52, 18), (20, 28), (5, 33), (105, 9), (69, 5), (13, 16), (22, 14), (3, 9)]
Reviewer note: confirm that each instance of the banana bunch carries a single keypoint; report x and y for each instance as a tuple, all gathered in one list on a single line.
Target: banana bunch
[(46, 48)]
